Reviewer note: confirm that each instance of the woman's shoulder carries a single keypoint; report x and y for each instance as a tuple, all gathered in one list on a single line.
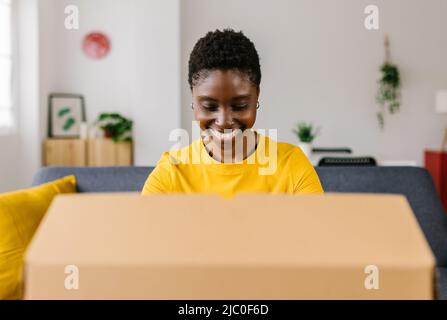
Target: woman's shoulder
[(180, 155), (286, 149)]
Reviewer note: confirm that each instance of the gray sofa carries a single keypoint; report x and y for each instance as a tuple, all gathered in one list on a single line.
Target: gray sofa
[(414, 183)]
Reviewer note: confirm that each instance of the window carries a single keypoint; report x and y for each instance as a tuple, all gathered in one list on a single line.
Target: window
[(6, 63)]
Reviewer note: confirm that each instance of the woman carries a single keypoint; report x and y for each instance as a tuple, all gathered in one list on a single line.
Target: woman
[(230, 157)]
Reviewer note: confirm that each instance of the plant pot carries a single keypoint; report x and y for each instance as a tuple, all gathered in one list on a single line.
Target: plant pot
[(306, 147), (107, 133)]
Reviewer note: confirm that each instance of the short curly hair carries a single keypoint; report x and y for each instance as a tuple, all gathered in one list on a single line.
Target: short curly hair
[(224, 50)]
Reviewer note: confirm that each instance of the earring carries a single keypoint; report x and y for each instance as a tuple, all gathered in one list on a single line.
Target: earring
[(192, 106), (257, 107)]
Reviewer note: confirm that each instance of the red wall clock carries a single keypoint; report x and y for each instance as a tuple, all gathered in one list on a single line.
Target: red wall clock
[(96, 45)]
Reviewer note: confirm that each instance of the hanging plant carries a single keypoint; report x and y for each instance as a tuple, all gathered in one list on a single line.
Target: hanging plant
[(388, 95)]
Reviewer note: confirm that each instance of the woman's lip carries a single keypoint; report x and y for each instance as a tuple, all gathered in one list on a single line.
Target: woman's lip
[(225, 130), (228, 134)]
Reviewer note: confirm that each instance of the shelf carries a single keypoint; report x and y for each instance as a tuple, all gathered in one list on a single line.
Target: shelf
[(91, 152)]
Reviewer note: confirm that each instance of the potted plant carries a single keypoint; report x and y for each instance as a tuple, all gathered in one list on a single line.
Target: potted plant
[(306, 134), (115, 126)]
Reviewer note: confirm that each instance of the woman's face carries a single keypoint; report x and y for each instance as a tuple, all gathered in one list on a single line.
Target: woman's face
[(223, 102)]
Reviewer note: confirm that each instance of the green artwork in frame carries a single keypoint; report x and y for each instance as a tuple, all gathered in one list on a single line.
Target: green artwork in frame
[(66, 113)]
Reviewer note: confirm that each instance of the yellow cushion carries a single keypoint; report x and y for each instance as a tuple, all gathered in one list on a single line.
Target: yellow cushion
[(20, 214)]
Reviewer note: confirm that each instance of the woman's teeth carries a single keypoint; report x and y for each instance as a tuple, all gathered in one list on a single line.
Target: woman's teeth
[(225, 136)]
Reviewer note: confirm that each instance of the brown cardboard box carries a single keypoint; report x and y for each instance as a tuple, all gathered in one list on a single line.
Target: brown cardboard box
[(123, 246)]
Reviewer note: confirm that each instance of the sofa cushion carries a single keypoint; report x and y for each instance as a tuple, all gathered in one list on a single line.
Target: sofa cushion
[(413, 182), (98, 179), (20, 214), (442, 283)]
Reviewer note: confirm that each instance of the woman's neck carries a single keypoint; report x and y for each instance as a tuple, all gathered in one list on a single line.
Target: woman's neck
[(234, 152)]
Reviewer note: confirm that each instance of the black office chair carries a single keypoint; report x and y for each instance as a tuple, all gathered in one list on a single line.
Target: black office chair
[(347, 161)]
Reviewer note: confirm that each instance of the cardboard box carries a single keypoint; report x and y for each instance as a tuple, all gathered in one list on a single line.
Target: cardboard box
[(332, 246)]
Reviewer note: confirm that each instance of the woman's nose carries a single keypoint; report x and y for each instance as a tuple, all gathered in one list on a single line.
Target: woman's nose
[(224, 118)]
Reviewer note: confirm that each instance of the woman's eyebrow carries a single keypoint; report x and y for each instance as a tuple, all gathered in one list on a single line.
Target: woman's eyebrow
[(241, 97), (206, 98)]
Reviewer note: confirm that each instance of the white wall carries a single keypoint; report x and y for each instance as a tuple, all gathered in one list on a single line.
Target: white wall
[(140, 76), (9, 174), (320, 64)]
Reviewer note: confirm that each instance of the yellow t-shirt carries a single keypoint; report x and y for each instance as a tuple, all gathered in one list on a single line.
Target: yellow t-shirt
[(275, 167)]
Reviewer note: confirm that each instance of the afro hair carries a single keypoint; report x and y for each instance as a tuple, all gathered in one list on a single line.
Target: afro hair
[(224, 50)]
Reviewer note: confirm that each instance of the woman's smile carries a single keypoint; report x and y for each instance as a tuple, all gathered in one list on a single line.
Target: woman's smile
[(224, 104), (226, 135)]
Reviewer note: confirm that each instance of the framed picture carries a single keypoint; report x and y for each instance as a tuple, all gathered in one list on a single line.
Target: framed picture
[(65, 115)]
